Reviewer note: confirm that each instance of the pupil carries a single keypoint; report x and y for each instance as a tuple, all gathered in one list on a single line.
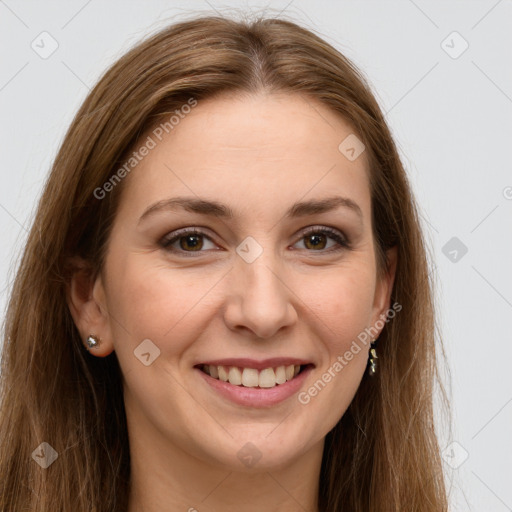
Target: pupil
[(192, 241), (317, 240)]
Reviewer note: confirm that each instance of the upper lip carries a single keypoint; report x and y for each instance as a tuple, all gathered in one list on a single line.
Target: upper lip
[(256, 364)]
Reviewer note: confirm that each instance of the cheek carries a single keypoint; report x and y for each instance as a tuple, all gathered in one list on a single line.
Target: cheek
[(343, 302), (343, 311), (149, 301)]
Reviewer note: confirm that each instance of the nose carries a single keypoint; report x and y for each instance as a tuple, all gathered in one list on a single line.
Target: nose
[(259, 298)]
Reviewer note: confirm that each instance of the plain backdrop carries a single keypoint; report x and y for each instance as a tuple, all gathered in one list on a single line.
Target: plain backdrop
[(440, 70)]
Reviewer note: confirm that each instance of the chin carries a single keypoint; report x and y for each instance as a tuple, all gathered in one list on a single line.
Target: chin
[(260, 450)]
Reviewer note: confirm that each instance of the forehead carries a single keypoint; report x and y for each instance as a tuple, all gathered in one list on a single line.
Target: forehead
[(248, 150)]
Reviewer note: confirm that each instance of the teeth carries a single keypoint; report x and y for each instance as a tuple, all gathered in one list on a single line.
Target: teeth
[(280, 375), (235, 376), (223, 374), (267, 378), (214, 372), (252, 378), (249, 378)]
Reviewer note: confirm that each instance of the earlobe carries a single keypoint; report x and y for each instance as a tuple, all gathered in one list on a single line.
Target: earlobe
[(86, 302)]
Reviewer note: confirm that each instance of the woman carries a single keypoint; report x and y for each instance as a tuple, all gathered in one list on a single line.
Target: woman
[(224, 300)]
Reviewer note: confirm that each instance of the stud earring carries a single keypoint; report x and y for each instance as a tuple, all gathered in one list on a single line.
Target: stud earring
[(92, 341), (372, 361)]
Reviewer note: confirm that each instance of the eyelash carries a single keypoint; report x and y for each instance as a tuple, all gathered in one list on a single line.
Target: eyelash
[(337, 236)]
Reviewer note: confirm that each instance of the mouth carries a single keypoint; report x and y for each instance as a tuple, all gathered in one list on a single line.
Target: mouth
[(254, 384), (249, 377)]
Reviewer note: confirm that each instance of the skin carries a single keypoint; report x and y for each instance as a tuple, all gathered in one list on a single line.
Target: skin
[(258, 154)]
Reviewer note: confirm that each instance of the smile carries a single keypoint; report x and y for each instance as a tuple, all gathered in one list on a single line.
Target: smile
[(252, 383), (251, 377)]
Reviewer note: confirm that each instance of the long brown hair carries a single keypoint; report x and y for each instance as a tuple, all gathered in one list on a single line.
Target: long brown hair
[(383, 455)]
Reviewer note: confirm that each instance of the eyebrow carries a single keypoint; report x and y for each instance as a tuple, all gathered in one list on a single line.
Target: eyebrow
[(219, 210)]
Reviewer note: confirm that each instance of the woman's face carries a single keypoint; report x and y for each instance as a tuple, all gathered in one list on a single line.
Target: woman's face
[(252, 290)]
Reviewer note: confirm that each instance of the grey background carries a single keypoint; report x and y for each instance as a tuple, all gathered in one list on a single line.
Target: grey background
[(451, 117)]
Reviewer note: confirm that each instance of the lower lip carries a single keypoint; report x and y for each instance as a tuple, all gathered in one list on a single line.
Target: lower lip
[(257, 397)]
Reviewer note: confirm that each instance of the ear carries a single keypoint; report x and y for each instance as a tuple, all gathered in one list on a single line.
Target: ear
[(384, 287), (87, 304)]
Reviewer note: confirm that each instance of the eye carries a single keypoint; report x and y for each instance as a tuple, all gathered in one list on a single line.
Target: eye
[(192, 240), (188, 241), (316, 238)]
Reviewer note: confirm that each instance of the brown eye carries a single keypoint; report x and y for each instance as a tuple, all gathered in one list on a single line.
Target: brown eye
[(317, 239), (186, 241), (193, 242)]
